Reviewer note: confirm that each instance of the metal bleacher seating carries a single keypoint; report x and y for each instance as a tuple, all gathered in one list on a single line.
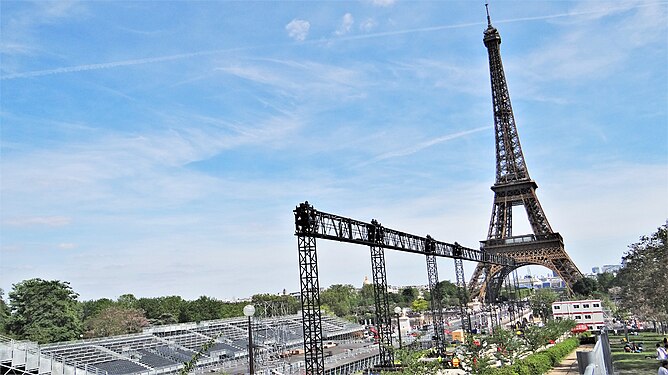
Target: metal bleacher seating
[(120, 367), (164, 349)]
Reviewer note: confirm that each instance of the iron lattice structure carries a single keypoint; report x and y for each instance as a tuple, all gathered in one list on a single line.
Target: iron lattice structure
[(463, 295), (436, 307), (514, 187), (311, 224), (310, 299)]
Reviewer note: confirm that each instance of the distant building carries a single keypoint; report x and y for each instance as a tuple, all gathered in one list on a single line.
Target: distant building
[(596, 270), (614, 268), (589, 312)]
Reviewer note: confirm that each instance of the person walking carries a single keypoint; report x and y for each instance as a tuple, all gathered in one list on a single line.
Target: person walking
[(661, 353), (663, 368)]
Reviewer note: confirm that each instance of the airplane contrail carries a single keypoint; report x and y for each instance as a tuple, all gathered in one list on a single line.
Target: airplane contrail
[(115, 64), (423, 145)]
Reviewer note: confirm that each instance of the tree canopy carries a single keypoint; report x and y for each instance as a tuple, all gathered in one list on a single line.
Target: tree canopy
[(642, 279), (116, 320), (44, 311)]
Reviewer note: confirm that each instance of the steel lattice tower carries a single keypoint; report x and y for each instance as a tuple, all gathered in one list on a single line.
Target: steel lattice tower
[(514, 187)]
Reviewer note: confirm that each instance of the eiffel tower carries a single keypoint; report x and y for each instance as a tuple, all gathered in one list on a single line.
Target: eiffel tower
[(514, 187)]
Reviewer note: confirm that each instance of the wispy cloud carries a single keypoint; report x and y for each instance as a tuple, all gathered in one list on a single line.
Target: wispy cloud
[(115, 64), (298, 29), (346, 24), (368, 24), (423, 145), (590, 49), (383, 3), (49, 221)]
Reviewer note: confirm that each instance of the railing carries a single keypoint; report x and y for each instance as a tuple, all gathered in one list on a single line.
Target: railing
[(29, 355), (600, 359), (521, 239)]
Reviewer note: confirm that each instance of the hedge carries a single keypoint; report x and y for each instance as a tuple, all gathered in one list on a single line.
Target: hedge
[(540, 362)]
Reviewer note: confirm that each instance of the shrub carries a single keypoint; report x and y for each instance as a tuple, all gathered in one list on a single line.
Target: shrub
[(540, 362)]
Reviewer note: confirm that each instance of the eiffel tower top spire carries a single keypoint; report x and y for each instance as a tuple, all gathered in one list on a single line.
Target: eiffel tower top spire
[(510, 165)]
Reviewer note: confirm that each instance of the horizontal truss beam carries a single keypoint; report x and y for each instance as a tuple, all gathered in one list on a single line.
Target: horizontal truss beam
[(314, 223)]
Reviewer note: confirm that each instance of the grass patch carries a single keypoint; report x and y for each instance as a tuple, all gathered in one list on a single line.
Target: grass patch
[(635, 363)]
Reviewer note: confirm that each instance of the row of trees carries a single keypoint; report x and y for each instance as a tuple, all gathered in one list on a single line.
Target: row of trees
[(49, 311), (354, 304)]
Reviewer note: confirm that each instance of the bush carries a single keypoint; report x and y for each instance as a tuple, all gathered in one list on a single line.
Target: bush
[(538, 363)]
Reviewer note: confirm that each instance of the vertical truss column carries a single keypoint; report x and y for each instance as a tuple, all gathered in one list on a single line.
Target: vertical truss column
[(463, 293), (511, 300), (310, 291), (493, 312), (436, 308), (520, 303), (383, 317)]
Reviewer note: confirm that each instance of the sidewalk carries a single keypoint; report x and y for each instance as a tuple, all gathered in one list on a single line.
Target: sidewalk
[(569, 365)]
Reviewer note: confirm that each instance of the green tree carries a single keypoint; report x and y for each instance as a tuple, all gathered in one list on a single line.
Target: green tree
[(541, 303), (127, 301), (535, 337), (509, 347), (643, 275), (605, 280), (4, 312), (203, 308), (340, 299), (409, 295), (44, 311), (116, 320), (93, 307), (477, 358), (585, 287), (366, 296), (420, 305)]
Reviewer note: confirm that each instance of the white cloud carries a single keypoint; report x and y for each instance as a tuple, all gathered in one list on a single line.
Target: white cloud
[(383, 3), (368, 24), (346, 24), (49, 221), (298, 29), (67, 246)]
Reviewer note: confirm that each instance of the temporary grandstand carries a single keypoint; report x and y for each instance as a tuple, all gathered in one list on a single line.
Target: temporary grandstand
[(164, 349)]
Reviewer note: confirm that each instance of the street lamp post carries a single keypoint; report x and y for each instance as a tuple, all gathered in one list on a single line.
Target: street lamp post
[(397, 310), (249, 311)]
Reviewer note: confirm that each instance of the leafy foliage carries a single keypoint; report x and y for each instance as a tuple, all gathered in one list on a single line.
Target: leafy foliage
[(44, 311), (412, 362), (340, 299), (420, 305), (4, 312), (585, 287), (541, 303), (509, 346), (116, 320), (477, 358), (642, 279)]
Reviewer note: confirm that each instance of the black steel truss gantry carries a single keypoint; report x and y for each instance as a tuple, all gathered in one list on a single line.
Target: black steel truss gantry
[(311, 224)]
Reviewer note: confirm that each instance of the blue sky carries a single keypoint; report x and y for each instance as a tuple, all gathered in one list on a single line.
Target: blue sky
[(159, 148)]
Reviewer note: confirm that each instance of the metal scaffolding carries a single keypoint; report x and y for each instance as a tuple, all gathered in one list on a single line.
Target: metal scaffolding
[(311, 224)]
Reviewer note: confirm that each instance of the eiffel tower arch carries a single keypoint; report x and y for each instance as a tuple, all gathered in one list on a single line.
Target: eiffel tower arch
[(514, 187)]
